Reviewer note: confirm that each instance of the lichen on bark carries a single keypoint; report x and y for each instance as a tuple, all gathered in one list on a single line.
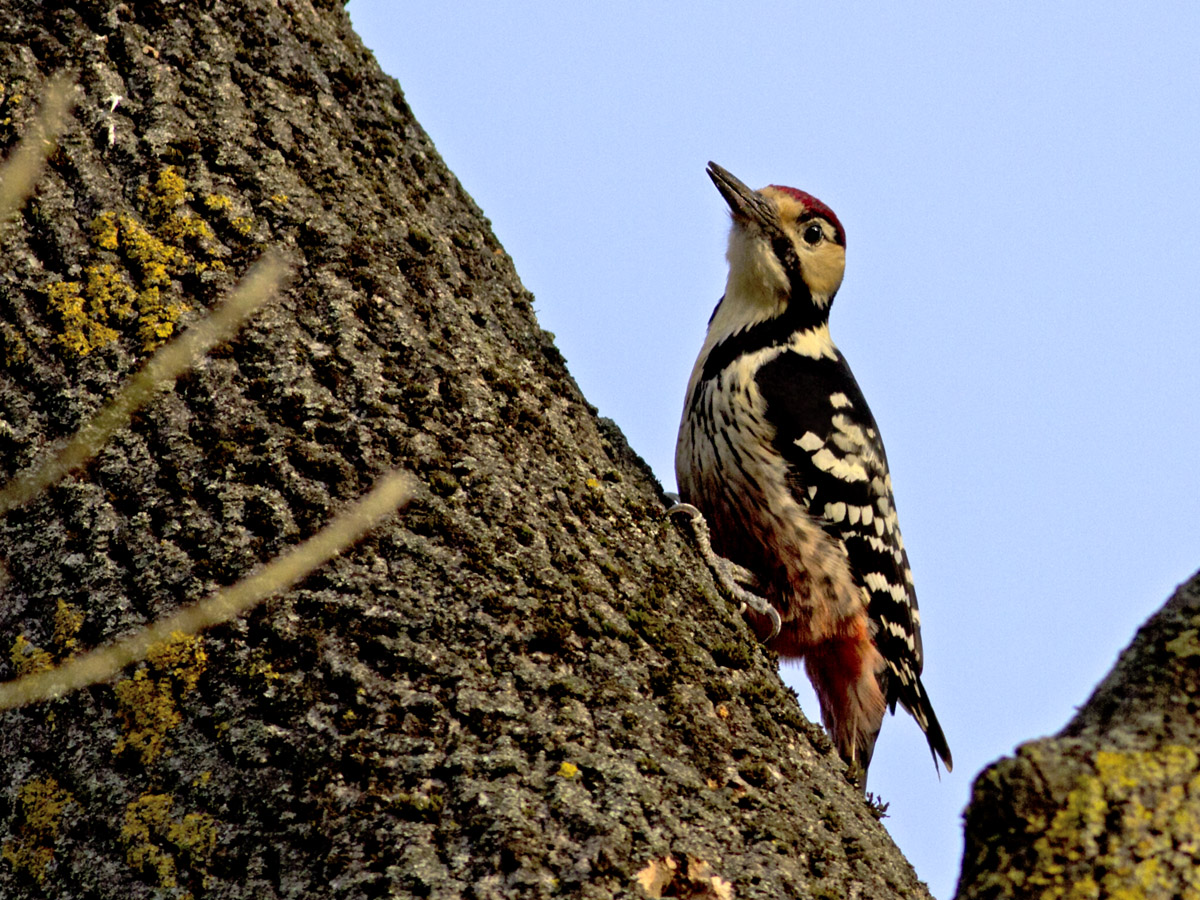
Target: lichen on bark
[(1110, 807), (522, 686)]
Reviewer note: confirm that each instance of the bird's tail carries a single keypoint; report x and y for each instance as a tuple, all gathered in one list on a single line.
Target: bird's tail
[(918, 705)]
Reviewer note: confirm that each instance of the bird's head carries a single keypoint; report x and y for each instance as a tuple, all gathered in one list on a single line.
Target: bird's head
[(786, 249)]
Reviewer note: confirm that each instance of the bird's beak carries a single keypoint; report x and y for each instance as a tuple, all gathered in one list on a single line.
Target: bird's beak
[(745, 204)]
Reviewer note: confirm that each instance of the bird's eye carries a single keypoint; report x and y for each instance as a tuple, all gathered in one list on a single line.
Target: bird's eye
[(813, 234)]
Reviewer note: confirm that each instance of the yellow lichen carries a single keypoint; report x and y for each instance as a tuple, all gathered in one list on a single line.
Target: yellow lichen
[(260, 667), (156, 261), (568, 770), (157, 318), (1186, 645), (67, 622), (168, 194), (10, 101), (218, 202), (187, 227), (13, 349), (108, 292), (195, 835), (1129, 829), (148, 712), (138, 291), (176, 242), (88, 312), (40, 803), (181, 657), (105, 232), (81, 333), (147, 703), (157, 845), (29, 658)]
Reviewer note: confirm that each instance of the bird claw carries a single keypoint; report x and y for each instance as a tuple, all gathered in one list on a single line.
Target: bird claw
[(763, 608), (734, 581)]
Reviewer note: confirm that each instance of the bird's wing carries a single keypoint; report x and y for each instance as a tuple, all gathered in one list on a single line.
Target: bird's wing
[(838, 470)]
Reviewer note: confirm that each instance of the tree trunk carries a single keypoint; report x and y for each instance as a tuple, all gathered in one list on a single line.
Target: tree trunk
[(1110, 807), (522, 685)]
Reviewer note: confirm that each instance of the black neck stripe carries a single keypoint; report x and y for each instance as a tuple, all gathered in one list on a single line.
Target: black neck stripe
[(800, 314)]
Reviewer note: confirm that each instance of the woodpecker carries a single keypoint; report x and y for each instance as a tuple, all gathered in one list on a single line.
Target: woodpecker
[(779, 453)]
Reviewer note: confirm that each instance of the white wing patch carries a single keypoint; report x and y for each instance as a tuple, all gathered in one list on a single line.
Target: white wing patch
[(810, 442), (876, 581), (845, 469), (835, 512)]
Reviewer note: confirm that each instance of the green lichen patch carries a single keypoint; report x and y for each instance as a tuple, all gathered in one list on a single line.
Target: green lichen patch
[(160, 846), (148, 702), (1130, 828), (40, 805)]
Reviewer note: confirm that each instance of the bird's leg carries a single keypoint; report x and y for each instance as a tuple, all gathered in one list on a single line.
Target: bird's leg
[(734, 581)]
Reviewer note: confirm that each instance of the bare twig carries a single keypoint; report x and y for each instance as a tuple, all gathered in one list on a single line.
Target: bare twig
[(391, 493), (163, 368), (20, 171)]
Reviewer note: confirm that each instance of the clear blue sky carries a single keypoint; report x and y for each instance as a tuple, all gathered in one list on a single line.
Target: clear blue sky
[(1020, 186)]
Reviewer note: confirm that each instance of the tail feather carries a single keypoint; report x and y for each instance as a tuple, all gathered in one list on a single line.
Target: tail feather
[(921, 709)]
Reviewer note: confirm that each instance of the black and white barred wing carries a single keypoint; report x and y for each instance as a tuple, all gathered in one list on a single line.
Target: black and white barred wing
[(838, 470)]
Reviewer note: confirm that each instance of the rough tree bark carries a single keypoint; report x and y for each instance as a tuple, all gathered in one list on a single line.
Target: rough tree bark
[(521, 686), (1109, 807)]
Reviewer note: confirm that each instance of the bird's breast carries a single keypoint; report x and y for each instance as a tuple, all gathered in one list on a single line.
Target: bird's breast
[(728, 467)]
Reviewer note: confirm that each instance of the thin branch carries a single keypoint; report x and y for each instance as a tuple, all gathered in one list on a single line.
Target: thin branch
[(393, 492), (164, 367), (24, 165)]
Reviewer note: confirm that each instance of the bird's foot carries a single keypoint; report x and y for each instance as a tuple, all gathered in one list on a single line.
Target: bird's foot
[(734, 581)]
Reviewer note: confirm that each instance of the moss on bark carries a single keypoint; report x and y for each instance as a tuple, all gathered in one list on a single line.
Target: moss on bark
[(521, 686)]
